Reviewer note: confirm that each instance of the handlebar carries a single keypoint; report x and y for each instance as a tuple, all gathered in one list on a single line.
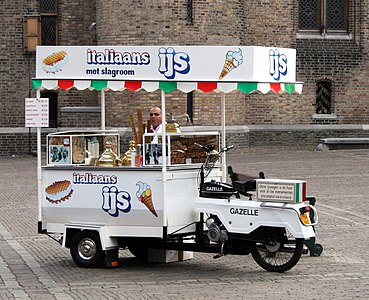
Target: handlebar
[(225, 149), (212, 156), (209, 148)]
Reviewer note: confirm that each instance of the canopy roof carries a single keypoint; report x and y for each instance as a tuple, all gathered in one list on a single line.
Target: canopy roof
[(168, 68), (168, 86)]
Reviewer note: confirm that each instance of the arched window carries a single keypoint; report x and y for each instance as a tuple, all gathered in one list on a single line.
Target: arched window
[(323, 104)]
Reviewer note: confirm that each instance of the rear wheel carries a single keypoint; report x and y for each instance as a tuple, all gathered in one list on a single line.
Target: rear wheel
[(279, 252), (86, 249)]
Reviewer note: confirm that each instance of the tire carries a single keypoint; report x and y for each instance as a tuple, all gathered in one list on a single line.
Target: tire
[(318, 249), (279, 253), (86, 250)]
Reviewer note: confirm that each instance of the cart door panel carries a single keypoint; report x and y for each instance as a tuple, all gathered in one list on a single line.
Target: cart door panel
[(114, 197)]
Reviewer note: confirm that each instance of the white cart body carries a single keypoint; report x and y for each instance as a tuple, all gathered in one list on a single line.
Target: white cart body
[(113, 201)]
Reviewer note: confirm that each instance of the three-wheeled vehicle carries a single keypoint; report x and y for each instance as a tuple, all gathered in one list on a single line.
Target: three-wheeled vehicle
[(175, 199)]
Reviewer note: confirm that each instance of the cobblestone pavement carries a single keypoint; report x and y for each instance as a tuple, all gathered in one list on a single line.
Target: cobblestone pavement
[(33, 266)]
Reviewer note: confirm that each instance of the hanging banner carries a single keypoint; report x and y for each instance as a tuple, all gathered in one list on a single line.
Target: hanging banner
[(167, 63)]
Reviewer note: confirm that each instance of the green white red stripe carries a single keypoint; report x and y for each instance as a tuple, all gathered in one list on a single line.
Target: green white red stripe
[(169, 86)]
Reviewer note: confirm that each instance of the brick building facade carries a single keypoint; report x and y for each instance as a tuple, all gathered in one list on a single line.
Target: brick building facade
[(333, 60)]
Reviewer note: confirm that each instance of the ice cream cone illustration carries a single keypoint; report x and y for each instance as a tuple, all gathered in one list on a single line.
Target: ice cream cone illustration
[(233, 60), (145, 196), (228, 67)]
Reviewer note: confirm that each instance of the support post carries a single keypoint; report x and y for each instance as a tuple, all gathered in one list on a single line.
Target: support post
[(39, 173), (164, 153), (223, 137), (102, 109)]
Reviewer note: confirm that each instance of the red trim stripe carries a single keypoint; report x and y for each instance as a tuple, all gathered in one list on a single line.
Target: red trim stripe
[(133, 85), (276, 87), (304, 191), (207, 86), (65, 84)]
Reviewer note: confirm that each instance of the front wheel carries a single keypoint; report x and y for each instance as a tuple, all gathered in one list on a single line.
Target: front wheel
[(279, 253), (86, 250)]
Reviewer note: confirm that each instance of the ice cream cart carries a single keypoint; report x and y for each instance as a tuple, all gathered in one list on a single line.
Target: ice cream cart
[(164, 210)]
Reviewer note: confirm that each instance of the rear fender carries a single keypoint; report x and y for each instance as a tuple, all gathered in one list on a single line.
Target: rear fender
[(240, 216), (107, 242)]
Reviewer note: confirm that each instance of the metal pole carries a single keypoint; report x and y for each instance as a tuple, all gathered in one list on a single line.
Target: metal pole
[(223, 133), (39, 173), (164, 153), (102, 109)]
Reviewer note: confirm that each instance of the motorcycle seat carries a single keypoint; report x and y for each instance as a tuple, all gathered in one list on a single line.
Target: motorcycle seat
[(243, 187), (243, 183)]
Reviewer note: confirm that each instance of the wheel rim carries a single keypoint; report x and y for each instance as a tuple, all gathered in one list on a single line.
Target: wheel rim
[(273, 246), (276, 255), (87, 249)]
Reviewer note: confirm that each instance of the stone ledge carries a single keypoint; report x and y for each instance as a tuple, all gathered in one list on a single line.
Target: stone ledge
[(232, 129), (342, 143), (20, 138), (345, 140), (80, 109)]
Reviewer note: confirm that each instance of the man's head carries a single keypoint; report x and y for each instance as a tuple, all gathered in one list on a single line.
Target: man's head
[(155, 117)]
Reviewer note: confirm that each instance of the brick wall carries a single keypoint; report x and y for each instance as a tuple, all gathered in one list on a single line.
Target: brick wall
[(342, 60), (76, 19), (164, 22), (216, 22), (14, 65), (17, 68)]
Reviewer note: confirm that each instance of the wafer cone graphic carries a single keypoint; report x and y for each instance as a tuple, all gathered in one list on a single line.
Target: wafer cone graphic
[(144, 194), (147, 200), (228, 67)]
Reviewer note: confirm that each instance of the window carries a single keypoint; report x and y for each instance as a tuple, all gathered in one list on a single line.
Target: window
[(49, 22), (49, 6), (323, 16), (189, 12), (43, 28), (323, 103), (49, 30)]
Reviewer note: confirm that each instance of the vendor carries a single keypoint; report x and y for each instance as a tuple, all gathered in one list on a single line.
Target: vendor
[(156, 123)]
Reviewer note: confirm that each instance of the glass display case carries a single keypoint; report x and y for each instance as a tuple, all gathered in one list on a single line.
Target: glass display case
[(182, 148), (80, 148)]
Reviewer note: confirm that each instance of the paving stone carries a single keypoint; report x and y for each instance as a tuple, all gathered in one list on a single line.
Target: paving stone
[(33, 266)]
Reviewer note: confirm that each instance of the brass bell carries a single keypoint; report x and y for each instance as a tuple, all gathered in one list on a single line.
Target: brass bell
[(127, 156), (108, 158)]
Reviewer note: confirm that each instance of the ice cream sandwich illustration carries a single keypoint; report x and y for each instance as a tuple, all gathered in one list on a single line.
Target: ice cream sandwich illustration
[(59, 191), (144, 194), (55, 61)]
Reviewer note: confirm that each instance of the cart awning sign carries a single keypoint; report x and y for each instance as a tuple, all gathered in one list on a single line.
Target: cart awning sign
[(167, 63)]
